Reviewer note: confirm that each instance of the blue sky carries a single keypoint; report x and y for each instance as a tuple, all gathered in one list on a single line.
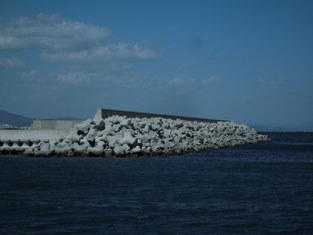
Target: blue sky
[(246, 61)]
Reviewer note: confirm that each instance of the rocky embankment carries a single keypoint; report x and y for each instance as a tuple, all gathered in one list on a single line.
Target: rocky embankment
[(121, 136)]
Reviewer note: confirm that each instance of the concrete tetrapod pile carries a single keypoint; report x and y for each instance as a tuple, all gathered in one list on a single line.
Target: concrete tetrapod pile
[(122, 136)]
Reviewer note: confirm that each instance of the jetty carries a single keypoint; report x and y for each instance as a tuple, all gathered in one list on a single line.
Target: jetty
[(126, 133)]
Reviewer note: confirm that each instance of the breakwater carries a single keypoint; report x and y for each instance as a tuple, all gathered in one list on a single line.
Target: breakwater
[(136, 136)]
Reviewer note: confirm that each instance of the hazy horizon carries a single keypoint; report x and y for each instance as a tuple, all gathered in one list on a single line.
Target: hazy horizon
[(246, 61)]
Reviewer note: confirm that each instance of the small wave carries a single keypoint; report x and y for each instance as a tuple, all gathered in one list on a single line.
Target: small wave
[(293, 143)]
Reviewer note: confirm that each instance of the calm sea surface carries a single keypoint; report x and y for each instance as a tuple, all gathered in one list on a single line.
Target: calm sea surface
[(262, 188)]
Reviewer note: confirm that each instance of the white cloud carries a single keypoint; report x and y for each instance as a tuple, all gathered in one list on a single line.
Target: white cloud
[(71, 46), (11, 63), (60, 39), (76, 78), (212, 80), (49, 32), (113, 52), (180, 81)]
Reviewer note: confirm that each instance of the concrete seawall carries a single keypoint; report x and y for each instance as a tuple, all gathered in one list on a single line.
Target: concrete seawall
[(31, 135), (53, 124), (18, 141), (104, 113), (41, 130)]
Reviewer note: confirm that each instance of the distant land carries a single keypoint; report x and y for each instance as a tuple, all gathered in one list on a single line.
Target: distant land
[(14, 120)]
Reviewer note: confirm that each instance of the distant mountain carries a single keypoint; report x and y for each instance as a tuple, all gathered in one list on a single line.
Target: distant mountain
[(14, 119)]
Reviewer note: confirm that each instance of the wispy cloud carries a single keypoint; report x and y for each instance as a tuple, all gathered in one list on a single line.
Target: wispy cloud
[(217, 56), (59, 38), (281, 81), (32, 75), (49, 33), (75, 47), (180, 81), (129, 52), (212, 80), (11, 63), (77, 78)]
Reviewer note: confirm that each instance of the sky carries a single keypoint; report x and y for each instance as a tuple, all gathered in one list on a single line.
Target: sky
[(246, 61)]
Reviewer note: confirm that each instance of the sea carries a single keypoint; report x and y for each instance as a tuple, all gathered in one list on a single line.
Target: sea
[(253, 189)]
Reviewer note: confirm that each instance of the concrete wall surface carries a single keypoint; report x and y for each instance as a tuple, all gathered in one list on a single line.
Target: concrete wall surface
[(32, 135), (53, 124), (104, 113)]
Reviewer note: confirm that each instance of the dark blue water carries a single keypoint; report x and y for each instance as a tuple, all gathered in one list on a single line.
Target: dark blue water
[(262, 188)]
